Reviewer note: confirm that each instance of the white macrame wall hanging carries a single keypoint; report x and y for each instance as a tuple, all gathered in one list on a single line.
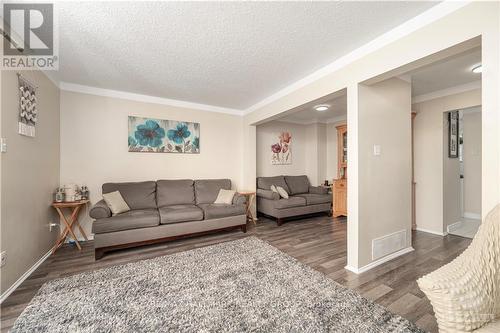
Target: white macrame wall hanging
[(28, 114)]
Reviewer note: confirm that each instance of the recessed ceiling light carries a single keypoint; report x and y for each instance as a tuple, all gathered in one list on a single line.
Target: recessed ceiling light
[(321, 107), (477, 69)]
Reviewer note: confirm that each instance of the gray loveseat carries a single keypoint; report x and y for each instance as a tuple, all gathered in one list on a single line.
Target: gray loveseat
[(303, 198), (164, 210)]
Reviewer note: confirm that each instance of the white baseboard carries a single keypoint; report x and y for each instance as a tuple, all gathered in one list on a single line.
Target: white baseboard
[(379, 261), (432, 232), (473, 216), (24, 276)]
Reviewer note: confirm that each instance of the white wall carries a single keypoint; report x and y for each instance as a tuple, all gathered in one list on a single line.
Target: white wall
[(30, 174), (385, 120), (94, 149), (316, 153), (430, 130), (472, 161)]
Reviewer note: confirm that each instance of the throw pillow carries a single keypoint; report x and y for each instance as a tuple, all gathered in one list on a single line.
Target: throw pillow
[(115, 202), (274, 189), (225, 197), (282, 192)]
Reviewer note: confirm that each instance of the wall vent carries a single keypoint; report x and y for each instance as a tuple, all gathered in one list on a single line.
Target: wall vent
[(388, 244)]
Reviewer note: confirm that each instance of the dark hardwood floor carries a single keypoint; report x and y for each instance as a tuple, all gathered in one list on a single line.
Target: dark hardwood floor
[(319, 242)]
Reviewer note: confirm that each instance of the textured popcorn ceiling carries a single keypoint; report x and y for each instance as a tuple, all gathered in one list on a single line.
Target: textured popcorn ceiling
[(228, 54)]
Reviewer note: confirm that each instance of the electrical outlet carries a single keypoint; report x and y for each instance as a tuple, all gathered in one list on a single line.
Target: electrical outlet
[(52, 225), (3, 258), (3, 145)]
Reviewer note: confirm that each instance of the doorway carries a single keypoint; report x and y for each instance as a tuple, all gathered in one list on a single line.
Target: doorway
[(469, 170)]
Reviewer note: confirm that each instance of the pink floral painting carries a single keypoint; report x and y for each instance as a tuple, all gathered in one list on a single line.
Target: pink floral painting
[(282, 150)]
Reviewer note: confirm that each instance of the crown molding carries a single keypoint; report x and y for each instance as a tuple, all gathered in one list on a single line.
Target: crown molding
[(433, 14), (447, 92), (66, 86), (337, 119)]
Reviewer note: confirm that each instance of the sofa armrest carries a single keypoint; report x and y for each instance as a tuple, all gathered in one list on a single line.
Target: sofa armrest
[(318, 190), (239, 199), (267, 194), (100, 210)]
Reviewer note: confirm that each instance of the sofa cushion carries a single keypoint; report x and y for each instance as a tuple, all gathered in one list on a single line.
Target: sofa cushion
[(180, 213), (289, 203), (313, 199), (175, 192), (297, 184), (206, 190), (140, 195), (266, 182), (115, 202), (100, 210), (215, 211), (133, 219)]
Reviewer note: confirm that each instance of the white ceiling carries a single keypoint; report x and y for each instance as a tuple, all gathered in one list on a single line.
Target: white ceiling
[(446, 74), (226, 54), (306, 114)]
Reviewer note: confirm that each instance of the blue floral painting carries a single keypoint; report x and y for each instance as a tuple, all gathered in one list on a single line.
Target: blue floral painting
[(163, 136)]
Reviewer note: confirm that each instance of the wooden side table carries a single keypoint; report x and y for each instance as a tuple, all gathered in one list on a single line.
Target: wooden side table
[(69, 221), (250, 196)]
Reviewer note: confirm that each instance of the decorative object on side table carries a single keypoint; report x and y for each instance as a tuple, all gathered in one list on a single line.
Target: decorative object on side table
[(84, 192), (69, 221), (59, 195), (250, 196)]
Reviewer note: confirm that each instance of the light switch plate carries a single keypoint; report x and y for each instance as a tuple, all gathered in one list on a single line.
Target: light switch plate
[(3, 145), (377, 150)]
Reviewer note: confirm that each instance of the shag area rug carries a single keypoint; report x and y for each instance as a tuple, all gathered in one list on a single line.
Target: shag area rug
[(238, 286)]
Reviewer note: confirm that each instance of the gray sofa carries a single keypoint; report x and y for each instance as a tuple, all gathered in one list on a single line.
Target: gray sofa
[(164, 210), (303, 198)]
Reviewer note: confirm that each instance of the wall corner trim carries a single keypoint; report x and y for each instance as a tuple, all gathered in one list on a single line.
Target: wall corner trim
[(380, 261), (23, 277), (474, 85)]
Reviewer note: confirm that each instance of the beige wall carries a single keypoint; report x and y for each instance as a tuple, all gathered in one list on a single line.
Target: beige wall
[(30, 174), (385, 120), (94, 144), (472, 161), (430, 153)]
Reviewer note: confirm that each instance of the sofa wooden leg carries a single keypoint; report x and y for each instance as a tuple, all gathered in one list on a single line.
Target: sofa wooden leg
[(98, 254), (279, 221), (244, 228)]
